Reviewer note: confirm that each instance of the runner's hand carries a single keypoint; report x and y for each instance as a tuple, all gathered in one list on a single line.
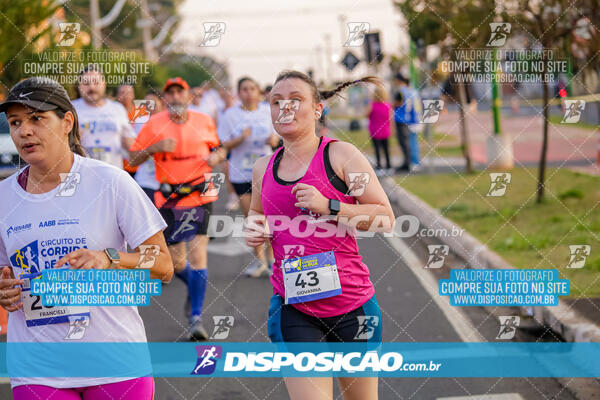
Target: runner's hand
[(85, 259), (164, 146), (215, 157), (309, 197), (9, 294), (256, 230), (246, 132)]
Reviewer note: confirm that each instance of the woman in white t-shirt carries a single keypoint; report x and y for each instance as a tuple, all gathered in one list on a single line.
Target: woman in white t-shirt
[(247, 132), (67, 210)]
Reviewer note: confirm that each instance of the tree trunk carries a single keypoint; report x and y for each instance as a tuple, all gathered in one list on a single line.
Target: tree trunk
[(464, 132), (597, 72), (149, 51), (542, 167), (94, 22)]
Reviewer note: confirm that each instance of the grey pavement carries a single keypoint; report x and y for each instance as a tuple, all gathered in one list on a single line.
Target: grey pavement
[(409, 315)]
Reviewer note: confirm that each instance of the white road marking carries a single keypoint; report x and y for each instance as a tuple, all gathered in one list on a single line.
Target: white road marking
[(233, 246), (500, 396), (229, 248), (459, 321)]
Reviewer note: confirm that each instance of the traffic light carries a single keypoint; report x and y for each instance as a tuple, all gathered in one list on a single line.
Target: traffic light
[(372, 45)]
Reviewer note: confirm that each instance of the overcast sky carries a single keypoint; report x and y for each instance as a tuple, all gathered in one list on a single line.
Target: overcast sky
[(262, 38)]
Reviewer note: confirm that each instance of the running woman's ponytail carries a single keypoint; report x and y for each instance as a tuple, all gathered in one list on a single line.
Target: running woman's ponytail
[(326, 94), (319, 95)]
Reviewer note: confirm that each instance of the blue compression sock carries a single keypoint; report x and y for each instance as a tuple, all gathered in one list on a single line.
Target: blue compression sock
[(197, 279), (184, 274)]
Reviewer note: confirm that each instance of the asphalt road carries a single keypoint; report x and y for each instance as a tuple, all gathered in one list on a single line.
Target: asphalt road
[(410, 314)]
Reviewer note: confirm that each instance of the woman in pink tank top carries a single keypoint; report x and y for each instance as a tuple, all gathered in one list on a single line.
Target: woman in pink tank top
[(309, 198)]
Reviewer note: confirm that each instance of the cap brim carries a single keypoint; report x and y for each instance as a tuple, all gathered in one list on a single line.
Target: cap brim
[(167, 87), (37, 105)]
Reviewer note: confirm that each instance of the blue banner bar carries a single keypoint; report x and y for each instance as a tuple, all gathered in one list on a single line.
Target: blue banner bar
[(224, 359)]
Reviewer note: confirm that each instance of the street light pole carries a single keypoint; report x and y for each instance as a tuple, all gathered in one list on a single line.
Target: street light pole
[(342, 19), (496, 100), (328, 56), (499, 146), (569, 76), (320, 63), (412, 54)]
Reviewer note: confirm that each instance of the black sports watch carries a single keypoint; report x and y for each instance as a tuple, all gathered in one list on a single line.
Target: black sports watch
[(334, 206), (113, 256)]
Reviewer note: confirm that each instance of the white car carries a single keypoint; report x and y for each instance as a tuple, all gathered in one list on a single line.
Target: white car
[(9, 158)]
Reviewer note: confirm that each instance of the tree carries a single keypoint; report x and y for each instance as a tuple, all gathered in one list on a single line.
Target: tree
[(22, 24), (147, 25), (191, 69), (126, 31), (584, 45), (449, 24), (549, 24)]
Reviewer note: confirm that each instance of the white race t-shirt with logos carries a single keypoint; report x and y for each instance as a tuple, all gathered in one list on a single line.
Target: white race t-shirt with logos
[(101, 129), (243, 157), (204, 108), (210, 103), (102, 208), (145, 175)]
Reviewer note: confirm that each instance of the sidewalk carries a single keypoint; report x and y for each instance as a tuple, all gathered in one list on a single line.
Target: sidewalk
[(588, 169), (428, 165), (568, 145), (566, 142)]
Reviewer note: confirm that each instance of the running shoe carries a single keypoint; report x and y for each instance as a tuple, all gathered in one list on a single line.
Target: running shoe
[(256, 269), (233, 203), (187, 309), (197, 331), (403, 168)]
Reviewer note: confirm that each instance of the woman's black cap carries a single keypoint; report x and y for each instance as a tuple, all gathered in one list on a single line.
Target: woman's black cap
[(39, 93)]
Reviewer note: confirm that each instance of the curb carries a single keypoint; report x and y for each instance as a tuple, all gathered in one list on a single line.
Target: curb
[(562, 319)]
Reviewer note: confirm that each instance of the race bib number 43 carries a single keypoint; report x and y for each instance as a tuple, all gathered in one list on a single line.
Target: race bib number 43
[(37, 314), (311, 278)]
